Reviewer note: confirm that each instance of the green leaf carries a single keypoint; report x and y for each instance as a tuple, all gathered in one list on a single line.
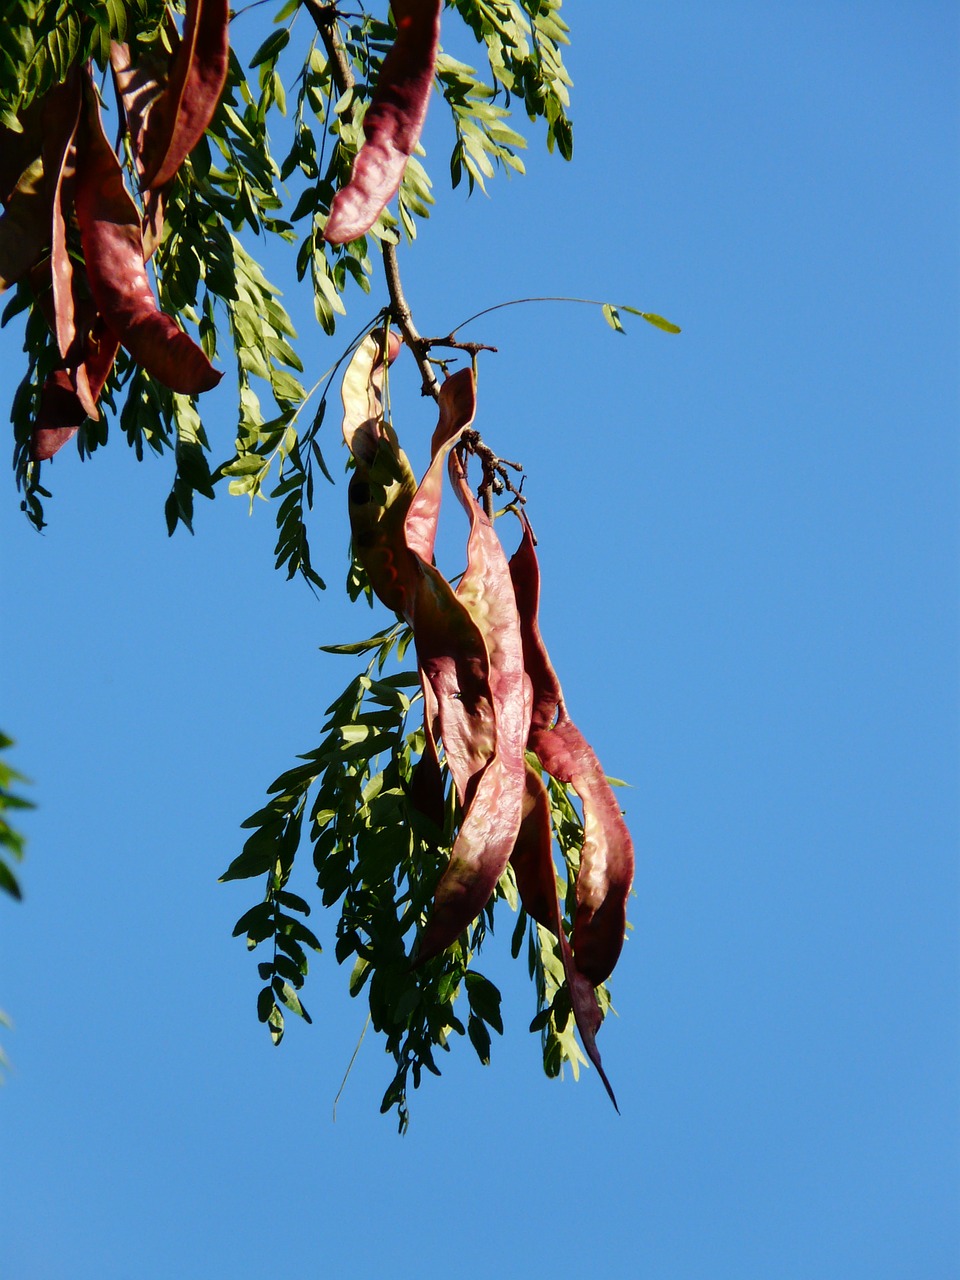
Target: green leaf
[(484, 999), (612, 317), (652, 318), (292, 1001), (265, 1003), (271, 47), (361, 646), (8, 881), (254, 918), (479, 1038)]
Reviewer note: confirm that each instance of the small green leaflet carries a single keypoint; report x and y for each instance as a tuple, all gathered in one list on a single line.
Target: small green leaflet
[(658, 322), (612, 316)]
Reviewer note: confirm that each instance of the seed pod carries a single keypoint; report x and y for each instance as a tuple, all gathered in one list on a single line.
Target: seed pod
[(138, 88), (113, 250), (488, 833), (393, 523), (426, 784), (70, 394), (450, 645), (61, 116), (607, 860), (179, 117), (383, 484), (532, 862), (393, 123)]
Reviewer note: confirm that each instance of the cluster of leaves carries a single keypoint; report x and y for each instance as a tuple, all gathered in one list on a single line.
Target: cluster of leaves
[(378, 857), (41, 39), (11, 841)]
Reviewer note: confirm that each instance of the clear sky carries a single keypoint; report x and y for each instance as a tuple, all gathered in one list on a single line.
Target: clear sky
[(748, 536)]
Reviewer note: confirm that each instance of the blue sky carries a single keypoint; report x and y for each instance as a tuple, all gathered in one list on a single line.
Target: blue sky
[(748, 537)]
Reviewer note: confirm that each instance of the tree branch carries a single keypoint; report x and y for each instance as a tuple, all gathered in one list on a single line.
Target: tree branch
[(400, 310), (325, 18)]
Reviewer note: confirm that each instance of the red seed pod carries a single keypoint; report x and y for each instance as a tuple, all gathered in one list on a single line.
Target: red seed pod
[(59, 416), (491, 821), (532, 862), (607, 859), (138, 87), (179, 117), (393, 123), (70, 395), (61, 116), (450, 646), (426, 784), (113, 250)]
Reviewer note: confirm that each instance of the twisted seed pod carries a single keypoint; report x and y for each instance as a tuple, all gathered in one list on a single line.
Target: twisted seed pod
[(607, 859), (113, 250), (393, 123), (179, 117)]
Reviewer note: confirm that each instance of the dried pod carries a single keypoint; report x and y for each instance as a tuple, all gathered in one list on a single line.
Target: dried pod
[(61, 117), (113, 250), (492, 817), (532, 862), (393, 123), (179, 117), (607, 860)]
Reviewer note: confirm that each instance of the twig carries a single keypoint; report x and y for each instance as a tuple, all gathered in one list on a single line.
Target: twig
[(471, 348), (400, 310), (325, 19), (495, 478)]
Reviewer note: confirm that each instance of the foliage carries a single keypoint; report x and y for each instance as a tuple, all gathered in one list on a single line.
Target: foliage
[(11, 842), (378, 857)]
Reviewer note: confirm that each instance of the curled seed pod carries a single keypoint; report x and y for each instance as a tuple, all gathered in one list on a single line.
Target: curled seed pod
[(393, 123), (607, 859), (450, 645), (532, 862), (113, 250), (179, 117), (70, 395), (393, 523), (138, 88), (61, 117), (492, 818)]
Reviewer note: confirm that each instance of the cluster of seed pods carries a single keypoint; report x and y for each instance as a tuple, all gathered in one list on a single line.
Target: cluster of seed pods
[(490, 693), (60, 173)]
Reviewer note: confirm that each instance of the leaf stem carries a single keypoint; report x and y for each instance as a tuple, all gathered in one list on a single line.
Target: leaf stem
[(586, 302)]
